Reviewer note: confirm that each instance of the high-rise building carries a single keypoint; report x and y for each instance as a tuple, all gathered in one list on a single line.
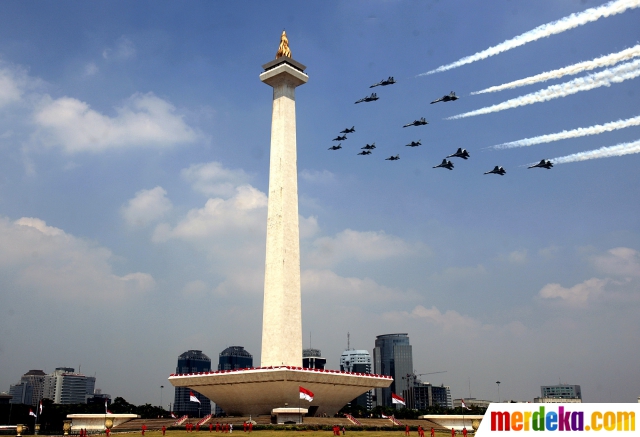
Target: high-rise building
[(21, 393), (235, 357), (190, 362), (312, 359), (29, 390), (64, 386), (392, 356), (422, 395), (561, 391), (358, 361)]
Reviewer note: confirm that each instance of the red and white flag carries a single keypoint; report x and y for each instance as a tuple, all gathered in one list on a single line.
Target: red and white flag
[(306, 394), (384, 417), (397, 399), (173, 416), (40, 412), (31, 413), (106, 407), (463, 404), (193, 398)]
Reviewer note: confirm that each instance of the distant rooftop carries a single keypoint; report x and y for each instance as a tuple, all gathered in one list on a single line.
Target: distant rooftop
[(307, 353), (235, 351), (194, 354)]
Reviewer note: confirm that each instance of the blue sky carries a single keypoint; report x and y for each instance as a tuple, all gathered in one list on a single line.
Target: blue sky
[(134, 139)]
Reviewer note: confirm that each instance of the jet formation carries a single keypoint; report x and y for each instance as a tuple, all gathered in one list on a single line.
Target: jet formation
[(445, 164), (372, 98), (389, 81), (420, 122), (448, 98), (545, 163), (497, 170), (460, 153)]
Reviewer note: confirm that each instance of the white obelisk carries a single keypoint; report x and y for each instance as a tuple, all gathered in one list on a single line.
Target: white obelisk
[(282, 317)]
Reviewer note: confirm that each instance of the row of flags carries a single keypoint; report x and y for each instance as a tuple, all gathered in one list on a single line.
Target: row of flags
[(305, 394), (31, 413)]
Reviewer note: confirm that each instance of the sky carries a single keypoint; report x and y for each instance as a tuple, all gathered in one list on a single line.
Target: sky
[(134, 157)]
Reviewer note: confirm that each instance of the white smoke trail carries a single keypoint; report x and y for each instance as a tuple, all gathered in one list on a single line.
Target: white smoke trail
[(628, 70), (574, 133), (558, 26), (603, 152), (604, 61)]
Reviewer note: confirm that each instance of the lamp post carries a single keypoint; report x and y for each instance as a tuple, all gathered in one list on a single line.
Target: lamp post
[(498, 382), (161, 387)]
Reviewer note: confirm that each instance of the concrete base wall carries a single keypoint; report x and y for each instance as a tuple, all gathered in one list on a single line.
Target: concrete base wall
[(259, 391)]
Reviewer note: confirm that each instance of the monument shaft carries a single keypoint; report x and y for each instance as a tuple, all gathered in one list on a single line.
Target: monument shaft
[(282, 316)]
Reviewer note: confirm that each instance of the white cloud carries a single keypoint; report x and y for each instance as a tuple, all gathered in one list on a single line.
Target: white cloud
[(578, 295), (308, 226), (48, 262), (317, 177), (212, 179), (518, 257), (360, 246), (620, 261), (14, 83), (334, 288), (90, 69), (146, 206), (241, 216), (123, 50), (143, 121)]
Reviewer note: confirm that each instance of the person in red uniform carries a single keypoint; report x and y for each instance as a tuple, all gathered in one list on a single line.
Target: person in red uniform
[(144, 428), (107, 432), (420, 431), (164, 429), (197, 427), (406, 430), (453, 432), (244, 426), (464, 431), (433, 432), (217, 426), (250, 426), (210, 426)]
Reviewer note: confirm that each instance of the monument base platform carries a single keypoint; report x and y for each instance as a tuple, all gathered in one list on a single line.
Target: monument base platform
[(258, 391)]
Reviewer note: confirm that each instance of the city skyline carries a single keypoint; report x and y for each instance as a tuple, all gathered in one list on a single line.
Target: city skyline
[(133, 188)]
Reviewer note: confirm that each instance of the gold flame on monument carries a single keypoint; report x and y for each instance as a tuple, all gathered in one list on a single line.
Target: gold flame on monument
[(283, 50)]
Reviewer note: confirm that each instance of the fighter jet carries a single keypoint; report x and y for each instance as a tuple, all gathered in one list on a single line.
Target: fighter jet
[(451, 97), (445, 164), (460, 153), (365, 152), (545, 163), (497, 170), (369, 146), (383, 82), (370, 98), (420, 122), (392, 158), (340, 138), (414, 143), (338, 147), (349, 131)]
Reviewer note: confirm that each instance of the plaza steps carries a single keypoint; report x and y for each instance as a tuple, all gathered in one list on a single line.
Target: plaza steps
[(352, 419), (136, 424), (205, 420)]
